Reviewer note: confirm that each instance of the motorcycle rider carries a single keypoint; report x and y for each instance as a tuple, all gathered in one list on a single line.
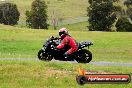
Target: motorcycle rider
[(67, 40)]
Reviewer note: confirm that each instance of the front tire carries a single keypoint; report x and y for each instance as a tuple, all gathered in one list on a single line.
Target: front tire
[(42, 55), (84, 56)]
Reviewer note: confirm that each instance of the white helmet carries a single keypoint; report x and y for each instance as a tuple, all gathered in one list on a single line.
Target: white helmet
[(63, 32)]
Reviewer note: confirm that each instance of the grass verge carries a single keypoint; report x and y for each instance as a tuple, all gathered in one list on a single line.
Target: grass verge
[(31, 74)]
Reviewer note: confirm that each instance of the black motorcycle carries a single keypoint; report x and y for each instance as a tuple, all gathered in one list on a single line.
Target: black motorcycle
[(49, 52)]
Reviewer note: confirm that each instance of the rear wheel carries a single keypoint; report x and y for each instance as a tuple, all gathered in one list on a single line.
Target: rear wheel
[(84, 56), (44, 56)]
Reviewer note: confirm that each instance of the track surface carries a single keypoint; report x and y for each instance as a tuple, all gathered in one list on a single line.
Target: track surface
[(100, 63)]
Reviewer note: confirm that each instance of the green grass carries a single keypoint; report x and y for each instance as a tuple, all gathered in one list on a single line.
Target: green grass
[(30, 74), (25, 43)]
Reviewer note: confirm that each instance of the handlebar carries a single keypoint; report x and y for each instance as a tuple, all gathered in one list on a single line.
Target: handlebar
[(54, 38)]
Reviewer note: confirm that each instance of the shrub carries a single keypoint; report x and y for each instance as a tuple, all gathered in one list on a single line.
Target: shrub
[(123, 25)]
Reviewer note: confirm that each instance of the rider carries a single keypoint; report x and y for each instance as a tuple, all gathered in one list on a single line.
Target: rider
[(67, 40)]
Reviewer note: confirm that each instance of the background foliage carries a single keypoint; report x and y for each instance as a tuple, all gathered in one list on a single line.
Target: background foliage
[(9, 14), (37, 17), (123, 25), (101, 16)]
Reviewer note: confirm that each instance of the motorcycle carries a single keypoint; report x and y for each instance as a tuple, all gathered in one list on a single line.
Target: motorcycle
[(49, 52)]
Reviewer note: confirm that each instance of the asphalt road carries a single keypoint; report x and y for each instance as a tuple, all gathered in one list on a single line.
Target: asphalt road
[(100, 63)]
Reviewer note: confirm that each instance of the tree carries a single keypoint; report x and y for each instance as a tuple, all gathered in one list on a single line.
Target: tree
[(28, 18), (9, 14), (37, 17), (101, 15)]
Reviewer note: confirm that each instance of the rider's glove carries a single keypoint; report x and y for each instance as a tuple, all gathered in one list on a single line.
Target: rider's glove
[(53, 47)]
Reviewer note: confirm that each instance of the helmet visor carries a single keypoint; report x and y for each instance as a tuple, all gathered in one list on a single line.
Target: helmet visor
[(61, 33)]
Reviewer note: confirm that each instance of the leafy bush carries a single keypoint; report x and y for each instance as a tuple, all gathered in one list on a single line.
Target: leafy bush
[(9, 14), (123, 25)]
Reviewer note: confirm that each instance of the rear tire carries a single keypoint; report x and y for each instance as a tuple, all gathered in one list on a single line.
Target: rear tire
[(84, 56), (44, 56)]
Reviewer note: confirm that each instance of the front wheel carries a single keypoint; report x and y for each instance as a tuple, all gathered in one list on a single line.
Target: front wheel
[(42, 55), (84, 56)]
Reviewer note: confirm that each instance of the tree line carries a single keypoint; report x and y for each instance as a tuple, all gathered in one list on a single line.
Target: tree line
[(103, 15)]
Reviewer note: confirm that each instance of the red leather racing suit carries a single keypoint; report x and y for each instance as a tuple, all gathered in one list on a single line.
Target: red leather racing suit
[(71, 42)]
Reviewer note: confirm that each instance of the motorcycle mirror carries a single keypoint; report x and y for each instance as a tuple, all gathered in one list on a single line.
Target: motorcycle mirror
[(52, 36)]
